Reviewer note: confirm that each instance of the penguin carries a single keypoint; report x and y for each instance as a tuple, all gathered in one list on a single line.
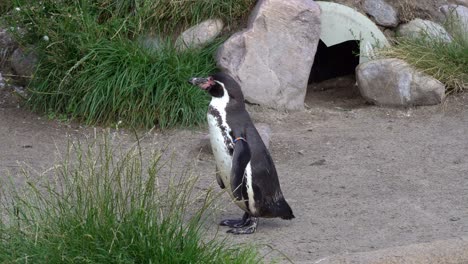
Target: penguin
[(244, 167)]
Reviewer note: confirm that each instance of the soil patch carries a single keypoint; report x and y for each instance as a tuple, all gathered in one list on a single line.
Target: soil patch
[(358, 177)]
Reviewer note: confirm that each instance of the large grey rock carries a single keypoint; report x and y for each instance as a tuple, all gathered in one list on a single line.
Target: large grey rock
[(383, 13), (459, 13), (393, 82), (272, 58), (200, 34), (24, 64), (423, 28)]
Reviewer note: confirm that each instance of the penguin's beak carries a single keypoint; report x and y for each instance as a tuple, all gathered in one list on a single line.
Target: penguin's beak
[(203, 83)]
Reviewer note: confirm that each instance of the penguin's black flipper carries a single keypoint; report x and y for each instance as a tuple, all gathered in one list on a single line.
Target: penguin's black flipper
[(240, 158)]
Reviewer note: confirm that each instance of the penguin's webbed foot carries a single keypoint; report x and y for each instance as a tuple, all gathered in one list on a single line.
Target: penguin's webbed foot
[(246, 225), (236, 223), (249, 227)]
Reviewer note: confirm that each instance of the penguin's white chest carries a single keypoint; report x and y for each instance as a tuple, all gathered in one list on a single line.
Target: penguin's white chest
[(221, 144), (220, 140)]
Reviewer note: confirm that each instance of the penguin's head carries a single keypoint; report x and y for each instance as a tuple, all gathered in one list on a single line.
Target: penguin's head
[(219, 85)]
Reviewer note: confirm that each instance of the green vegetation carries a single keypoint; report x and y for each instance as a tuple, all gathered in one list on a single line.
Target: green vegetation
[(106, 207), (5, 7), (93, 68), (447, 62)]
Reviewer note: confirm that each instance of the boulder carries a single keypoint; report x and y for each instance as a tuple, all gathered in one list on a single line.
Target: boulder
[(272, 58), (200, 34), (393, 82), (383, 13), (423, 28)]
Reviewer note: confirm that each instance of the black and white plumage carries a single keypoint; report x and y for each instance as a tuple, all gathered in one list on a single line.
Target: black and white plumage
[(244, 165)]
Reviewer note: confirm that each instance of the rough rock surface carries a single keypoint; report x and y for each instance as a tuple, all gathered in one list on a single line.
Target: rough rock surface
[(393, 82), (272, 58), (7, 45), (462, 2), (6, 41), (458, 12), (2, 81), (23, 62), (383, 13), (200, 34), (423, 28), (407, 9)]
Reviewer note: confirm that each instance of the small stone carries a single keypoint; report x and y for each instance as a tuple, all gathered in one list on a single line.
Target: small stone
[(454, 218), (200, 34), (2, 81), (150, 42), (6, 40), (24, 63), (318, 163), (383, 13)]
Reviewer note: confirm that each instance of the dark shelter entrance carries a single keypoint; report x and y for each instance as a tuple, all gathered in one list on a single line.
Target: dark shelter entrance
[(332, 77), (334, 61)]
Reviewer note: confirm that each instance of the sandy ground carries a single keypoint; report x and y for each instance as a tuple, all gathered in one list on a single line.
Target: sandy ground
[(358, 177)]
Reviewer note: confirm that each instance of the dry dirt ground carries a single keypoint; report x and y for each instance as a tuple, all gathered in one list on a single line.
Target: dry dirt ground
[(358, 177)]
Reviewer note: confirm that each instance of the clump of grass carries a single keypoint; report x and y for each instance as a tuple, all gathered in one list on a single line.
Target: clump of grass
[(118, 81), (93, 68), (445, 61), (103, 209)]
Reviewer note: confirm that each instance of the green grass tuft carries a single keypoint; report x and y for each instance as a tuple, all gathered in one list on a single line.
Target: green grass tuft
[(104, 207), (92, 67), (119, 81), (447, 62)]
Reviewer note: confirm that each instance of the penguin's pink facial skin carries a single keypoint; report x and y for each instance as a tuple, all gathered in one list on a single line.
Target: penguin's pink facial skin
[(203, 83)]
